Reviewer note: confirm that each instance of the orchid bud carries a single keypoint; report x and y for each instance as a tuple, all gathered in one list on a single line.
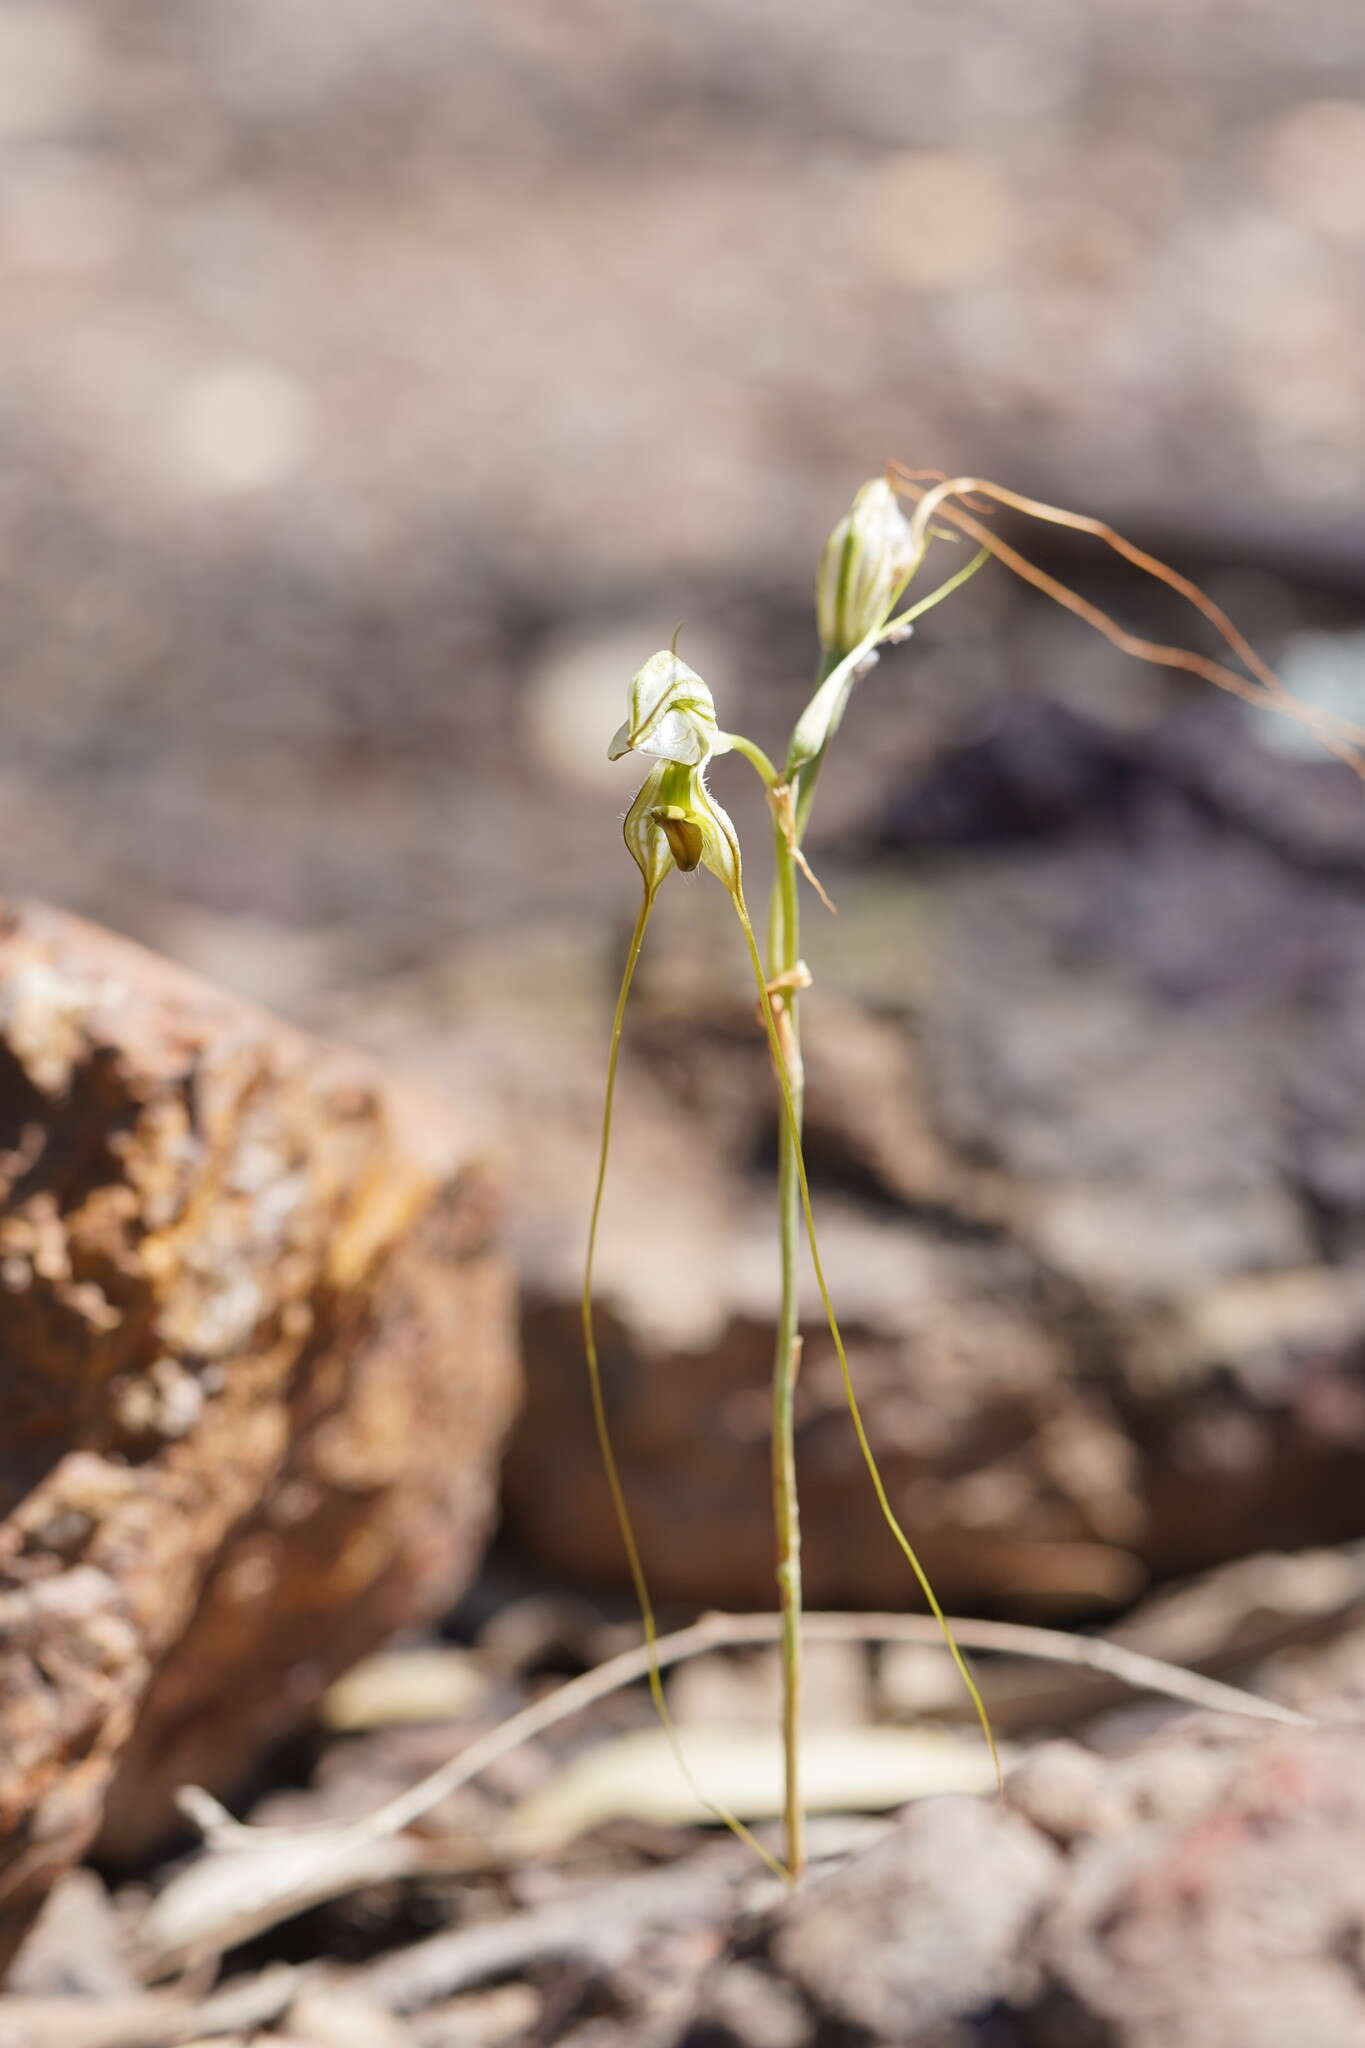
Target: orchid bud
[(866, 561), (672, 715)]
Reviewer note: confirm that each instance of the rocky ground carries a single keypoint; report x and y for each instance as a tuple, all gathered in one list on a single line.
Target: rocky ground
[(1156, 1875)]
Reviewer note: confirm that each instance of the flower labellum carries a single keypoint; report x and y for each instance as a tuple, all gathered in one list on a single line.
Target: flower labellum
[(684, 835)]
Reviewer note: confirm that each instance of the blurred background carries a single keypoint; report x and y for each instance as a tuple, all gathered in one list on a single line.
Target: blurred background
[(380, 385)]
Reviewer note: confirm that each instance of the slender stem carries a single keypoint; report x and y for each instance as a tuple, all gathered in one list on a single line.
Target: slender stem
[(784, 951), (805, 790), (785, 937), (754, 755)]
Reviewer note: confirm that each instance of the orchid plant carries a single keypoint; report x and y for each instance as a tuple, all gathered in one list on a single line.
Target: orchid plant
[(870, 560), (254, 1875)]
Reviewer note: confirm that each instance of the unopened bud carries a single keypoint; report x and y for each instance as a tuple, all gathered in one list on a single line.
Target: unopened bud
[(866, 560)]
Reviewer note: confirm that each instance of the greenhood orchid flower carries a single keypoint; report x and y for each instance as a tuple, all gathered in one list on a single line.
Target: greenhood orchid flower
[(675, 821)]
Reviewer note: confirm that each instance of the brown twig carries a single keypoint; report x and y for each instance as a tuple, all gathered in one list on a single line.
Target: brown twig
[(1339, 736)]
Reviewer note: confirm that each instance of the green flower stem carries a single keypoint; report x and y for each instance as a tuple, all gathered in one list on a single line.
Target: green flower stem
[(754, 755), (780, 1010), (785, 931), (784, 951)]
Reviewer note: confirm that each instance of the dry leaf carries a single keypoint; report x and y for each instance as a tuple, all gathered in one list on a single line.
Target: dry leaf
[(636, 1777), (406, 1685)]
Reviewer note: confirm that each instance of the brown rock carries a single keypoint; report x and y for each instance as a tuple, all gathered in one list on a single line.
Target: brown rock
[(915, 1932), (1228, 1912), (930, 1927), (257, 1365)]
